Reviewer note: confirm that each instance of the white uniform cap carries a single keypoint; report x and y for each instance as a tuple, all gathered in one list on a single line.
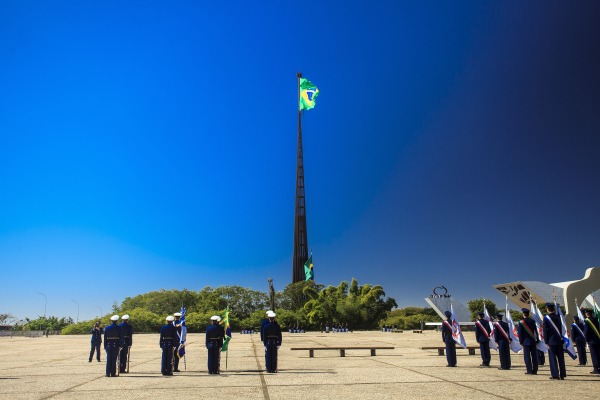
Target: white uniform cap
[(125, 316), (271, 314), (170, 318), (114, 318), (218, 318), (177, 314), (214, 318), (268, 311)]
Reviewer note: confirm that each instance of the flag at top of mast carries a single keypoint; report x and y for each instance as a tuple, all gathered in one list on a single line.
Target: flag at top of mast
[(308, 94)]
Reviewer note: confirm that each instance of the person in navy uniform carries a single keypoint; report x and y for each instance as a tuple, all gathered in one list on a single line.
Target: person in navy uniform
[(592, 336), (168, 338), (528, 338), (482, 335), (177, 325), (272, 341), (127, 332), (96, 332), (215, 335), (449, 340), (266, 321), (502, 335), (552, 330), (578, 336), (112, 342)]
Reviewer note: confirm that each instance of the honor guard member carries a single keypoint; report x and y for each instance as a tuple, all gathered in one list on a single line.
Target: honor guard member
[(592, 336), (177, 324), (167, 342), (449, 340), (552, 330), (112, 342), (272, 341), (96, 332), (266, 321), (482, 334), (528, 338), (215, 335), (127, 332), (578, 336), (501, 333)]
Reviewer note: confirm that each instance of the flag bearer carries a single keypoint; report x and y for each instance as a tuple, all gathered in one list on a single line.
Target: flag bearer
[(501, 333), (482, 334), (215, 335), (127, 331), (578, 336), (449, 340), (592, 335), (528, 338), (177, 324), (167, 342), (552, 329), (112, 342), (272, 341)]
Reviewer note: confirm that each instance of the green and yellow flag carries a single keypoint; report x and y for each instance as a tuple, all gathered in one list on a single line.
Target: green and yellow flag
[(308, 95), (308, 269), (225, 323)]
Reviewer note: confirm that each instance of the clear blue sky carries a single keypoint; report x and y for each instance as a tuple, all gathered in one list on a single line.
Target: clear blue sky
[(148, 145)]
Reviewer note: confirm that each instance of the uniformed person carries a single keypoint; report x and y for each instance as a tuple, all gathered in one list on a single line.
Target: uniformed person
[(167, 342), (528, 338), (177, 324), (96, 332), (112, 342), (482, 335), (449, 340), (552, 330), (502, 335), (592, 336), (266, 321), (272, 341), (215, 335), (578, 336), (127, 332)]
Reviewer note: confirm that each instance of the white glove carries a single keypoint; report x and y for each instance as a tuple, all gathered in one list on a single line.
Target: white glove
[(278, 347), (265, 349)]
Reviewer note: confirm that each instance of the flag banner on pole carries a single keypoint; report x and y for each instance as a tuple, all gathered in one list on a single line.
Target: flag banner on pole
[(456, 332), (493, 343), (308, 268), (308, 95), (536, 315), (579, 313), (182, 335), (225, 323), (515, 346), (568, 345)]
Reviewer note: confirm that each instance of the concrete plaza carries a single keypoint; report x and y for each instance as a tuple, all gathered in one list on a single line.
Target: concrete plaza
[(57, 367)]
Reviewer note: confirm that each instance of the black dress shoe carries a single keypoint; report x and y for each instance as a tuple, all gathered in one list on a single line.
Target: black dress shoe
[(176, 370), (553, 378)]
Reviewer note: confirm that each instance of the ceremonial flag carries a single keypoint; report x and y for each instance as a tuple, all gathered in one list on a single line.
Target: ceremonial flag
[(182, 335), (493, 343), (579, 313), (515, 346), (456, 332), (568, 345), (596, 309), (536, 315), (308, 95), (225, 323), (308, 268)]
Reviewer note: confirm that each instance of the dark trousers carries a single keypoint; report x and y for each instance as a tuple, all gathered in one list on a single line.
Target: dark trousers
[(112, 353), (530, 354), (166, 366), (541, 357), (451, 353), (556, 356), (581, 350), (271, 356), (96, 348), (595, 355), (124, 357), (504, 354), (484, 349), (176, 361), (213, 360)]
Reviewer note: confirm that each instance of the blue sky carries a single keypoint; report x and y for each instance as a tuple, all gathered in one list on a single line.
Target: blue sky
[(149, 145)]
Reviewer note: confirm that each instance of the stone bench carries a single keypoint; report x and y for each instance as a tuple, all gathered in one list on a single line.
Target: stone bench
[(342, 350), (442, 349)]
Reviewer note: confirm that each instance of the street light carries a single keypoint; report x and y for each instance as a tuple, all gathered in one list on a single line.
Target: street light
[(77, 309), (45, 304), (101, 314)]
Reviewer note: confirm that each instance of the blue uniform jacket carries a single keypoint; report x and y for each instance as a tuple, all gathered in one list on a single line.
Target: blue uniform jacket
[(524, 337), (479, 335), (112, 336), (214, 336), (127, 331), (97, 335), (272, 331), (551, 336), (498, 335), (262, 326), (590, 335), (168, 337), (577, 333), (447, 332)]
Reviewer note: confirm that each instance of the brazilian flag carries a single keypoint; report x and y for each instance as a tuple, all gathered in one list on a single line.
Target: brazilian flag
[(225, 323), (308, 269), (308, 95)]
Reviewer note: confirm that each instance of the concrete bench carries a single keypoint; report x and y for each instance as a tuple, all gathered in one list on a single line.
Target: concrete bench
[(442, 349), (342, 350)]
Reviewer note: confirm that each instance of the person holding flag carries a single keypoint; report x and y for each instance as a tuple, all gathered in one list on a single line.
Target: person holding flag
[(493, 340), (449, 340), (501, 330), (554, 340), (578, 337), (568, 343), (528, 338), (225, 324), (214, 341), (592, 336), (482, 335), (515, 346), (537, 316), (179, 324), (167, 342)]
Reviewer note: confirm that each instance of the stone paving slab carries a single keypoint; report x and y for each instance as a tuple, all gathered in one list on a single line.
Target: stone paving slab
[(57, 367)]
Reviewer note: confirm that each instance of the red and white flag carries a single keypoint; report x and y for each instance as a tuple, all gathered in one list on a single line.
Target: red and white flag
[(493, 343), (456, 332)]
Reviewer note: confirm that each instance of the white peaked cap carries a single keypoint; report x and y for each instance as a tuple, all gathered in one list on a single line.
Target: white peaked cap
[(114, 318), (170, 318), (269, 311), (177, 314), (214, 318), (125, 316), (271, 314)]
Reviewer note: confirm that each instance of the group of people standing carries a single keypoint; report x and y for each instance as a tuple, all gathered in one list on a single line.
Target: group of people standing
[(529, 337), (118, 340)]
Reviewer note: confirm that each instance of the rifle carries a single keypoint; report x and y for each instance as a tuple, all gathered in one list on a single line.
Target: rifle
[(119, 361), (128, 357)]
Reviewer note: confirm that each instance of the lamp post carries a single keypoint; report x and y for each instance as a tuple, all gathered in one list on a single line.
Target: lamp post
[(45, 304), (77, 309), (101, 314)]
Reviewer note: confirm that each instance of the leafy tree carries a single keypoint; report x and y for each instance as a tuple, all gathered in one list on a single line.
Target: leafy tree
[(295, 295), (43, 323), (476, 306)]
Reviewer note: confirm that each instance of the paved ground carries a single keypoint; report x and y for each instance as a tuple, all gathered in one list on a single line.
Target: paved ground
[(57, 368)]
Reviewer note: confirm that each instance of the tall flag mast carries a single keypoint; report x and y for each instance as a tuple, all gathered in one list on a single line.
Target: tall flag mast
[(307, 93)]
